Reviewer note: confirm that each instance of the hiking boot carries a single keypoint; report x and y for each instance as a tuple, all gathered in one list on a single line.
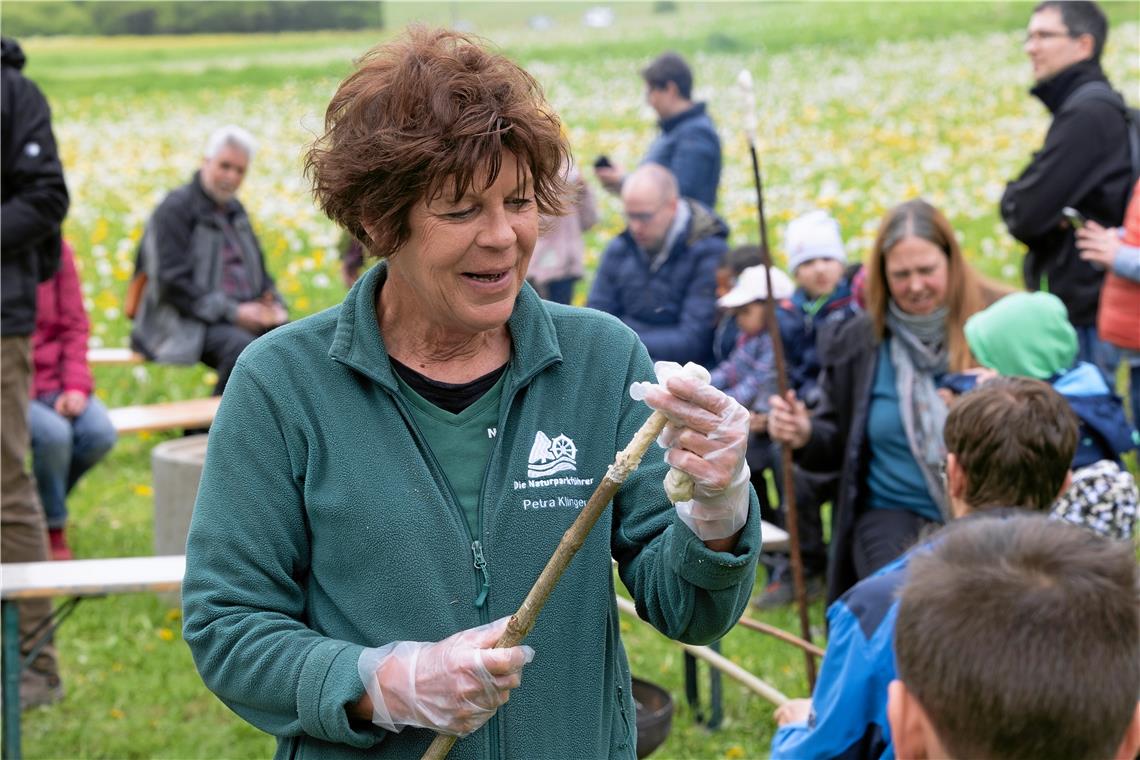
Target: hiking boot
[(58, 540), (782, 592), (38, 688)]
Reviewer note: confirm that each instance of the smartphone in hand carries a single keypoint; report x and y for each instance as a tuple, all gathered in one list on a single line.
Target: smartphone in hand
[(1076, 219)]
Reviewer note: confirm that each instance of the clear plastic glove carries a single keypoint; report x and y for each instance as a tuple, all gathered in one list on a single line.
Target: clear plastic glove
[(706, 438), (452, 686)]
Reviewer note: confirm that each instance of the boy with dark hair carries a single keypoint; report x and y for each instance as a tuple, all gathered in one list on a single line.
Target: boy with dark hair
[(1017, 639), (1009, 444)]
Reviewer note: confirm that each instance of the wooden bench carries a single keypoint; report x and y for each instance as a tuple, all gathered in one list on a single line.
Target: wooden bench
[(75, 579), (113, 356), (170, 415)]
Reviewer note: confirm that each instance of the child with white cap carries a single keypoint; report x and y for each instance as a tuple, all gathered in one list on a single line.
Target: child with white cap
[(748, 374)]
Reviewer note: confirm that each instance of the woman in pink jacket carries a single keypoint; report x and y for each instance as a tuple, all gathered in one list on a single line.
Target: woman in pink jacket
[(69, 427), (559, 254)]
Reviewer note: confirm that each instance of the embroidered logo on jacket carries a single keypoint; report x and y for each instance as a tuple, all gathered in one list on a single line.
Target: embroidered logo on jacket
[(550, 456)]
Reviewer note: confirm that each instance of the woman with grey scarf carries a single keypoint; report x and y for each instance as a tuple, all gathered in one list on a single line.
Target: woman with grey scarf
[(883, 383)]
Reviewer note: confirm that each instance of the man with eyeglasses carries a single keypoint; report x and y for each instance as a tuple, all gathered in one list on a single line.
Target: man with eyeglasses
[(1085, 164), (659, 275)]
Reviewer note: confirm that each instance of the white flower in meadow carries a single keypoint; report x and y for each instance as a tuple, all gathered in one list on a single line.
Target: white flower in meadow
[(856, 130)]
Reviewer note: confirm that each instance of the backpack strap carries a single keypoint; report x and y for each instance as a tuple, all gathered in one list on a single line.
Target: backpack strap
[(1102, 91)]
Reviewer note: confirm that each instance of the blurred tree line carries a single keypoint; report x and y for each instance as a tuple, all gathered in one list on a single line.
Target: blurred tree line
[(85, 17)]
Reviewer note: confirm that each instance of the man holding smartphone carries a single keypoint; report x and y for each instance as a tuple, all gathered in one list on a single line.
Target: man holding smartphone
[(1085, 164), (688, 145)]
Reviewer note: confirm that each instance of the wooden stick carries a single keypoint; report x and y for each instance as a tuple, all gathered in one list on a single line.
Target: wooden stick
[(734, 671), (523, 621), (781, 634), (720, 662), (773, 326)]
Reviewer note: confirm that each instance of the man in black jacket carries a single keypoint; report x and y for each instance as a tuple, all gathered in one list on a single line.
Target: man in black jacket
[(208, 294), (1084, 163), (34, 203)]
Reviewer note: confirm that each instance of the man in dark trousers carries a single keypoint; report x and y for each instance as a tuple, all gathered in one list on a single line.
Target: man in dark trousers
[(1084, 164), (34, 203), (208, 294), (688, 144)]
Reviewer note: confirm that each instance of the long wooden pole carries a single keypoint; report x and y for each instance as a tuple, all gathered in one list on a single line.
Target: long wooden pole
[(793, 527), (779, 633), (523, 620)]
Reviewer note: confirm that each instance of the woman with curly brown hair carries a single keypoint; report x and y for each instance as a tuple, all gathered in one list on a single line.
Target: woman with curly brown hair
[(386, 479), (885, 380)]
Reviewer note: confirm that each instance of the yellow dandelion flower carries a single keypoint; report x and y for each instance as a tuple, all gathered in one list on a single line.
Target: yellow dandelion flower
[(99, 234), (210, 378), (107, 300), (173, 614), (735, 752), (117, 714), (166, 634), (303, 303), (142, 489)]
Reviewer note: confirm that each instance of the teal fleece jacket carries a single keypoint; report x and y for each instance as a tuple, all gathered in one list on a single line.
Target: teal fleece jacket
[(323, 525)]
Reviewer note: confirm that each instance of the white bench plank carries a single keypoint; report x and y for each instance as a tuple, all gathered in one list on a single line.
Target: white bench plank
[(192, 413), (774, 539), (91, 577), (114, 356)]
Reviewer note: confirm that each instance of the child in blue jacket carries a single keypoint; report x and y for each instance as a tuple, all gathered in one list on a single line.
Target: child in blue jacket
[(821, 303), (823, 298), (1029, 335)]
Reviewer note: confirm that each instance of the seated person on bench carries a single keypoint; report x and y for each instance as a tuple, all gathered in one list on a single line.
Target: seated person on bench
[(207, 292), (69, 427)]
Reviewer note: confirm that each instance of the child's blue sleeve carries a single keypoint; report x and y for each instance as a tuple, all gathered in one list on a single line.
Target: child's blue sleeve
[(1127, 262), (849, 705)]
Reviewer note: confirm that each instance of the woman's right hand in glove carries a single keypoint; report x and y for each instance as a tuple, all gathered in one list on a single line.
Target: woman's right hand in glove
[(452, 686)]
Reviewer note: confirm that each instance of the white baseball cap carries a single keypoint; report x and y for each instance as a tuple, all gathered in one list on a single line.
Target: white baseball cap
[(753, 286)]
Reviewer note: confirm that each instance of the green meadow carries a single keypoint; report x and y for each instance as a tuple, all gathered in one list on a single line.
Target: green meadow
[(861, 106)]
